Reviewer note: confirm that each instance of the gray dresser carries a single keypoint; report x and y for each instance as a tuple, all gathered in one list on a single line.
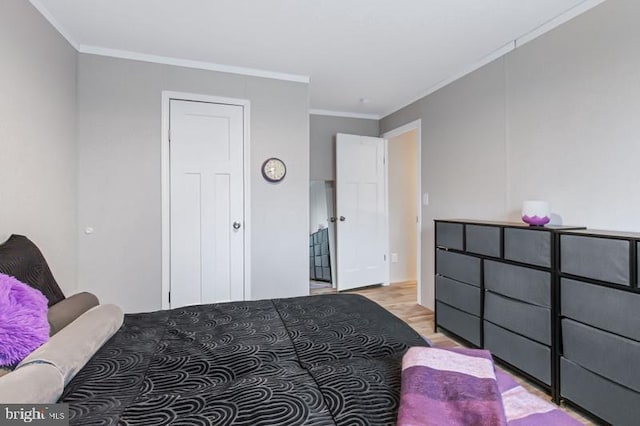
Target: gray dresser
[(458, 284), (600, 324), (559, 304), (494, 289)]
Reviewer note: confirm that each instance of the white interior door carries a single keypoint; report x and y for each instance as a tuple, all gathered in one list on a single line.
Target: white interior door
[(361, 210), (207, 211)]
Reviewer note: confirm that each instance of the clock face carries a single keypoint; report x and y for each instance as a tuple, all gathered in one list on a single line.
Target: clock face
[(274, 170)]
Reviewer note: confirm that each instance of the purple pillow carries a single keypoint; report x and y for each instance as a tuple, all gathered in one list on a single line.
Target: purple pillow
[(23, 320)]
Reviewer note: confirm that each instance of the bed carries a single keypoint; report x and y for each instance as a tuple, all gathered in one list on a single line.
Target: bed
[(320, 360)]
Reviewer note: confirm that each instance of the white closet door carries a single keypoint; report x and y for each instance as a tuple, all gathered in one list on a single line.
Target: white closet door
[(207, 211)]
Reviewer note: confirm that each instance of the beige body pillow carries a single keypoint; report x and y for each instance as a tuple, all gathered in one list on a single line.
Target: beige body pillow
[(66, 311), (32, 384), (71, 348), (41, 377)]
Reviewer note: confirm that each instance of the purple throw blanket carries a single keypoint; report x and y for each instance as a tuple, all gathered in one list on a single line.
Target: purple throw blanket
[(449, 387), (461, 387), (525, 409)]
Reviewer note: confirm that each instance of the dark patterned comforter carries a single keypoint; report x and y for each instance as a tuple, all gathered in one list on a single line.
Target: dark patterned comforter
[(321, 360)]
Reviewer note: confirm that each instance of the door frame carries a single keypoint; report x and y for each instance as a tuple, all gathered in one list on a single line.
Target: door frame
[(413, 125), (332, 227), (165, 172)]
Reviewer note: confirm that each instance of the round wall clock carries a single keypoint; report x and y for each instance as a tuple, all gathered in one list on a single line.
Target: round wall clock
[(273, 169)]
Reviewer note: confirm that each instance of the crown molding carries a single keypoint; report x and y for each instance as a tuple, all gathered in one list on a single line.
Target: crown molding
[(54, 23), (520, 41), (557, 21), (187, 63), (123, 54), (344, 114)]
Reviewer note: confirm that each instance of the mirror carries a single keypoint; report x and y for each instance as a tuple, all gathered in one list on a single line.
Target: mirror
[(321, 234)]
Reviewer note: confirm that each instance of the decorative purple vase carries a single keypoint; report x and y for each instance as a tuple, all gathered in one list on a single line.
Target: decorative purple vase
[(536, 213)]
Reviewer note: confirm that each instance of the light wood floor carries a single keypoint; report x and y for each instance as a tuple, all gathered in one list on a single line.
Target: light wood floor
[(400, 300)]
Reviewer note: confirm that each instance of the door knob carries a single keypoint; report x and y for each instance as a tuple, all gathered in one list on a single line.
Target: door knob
[(332, 218), (342, 218), (236, 225)]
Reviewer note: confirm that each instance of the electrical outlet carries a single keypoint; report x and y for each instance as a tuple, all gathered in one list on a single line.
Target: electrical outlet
[(394, 257)]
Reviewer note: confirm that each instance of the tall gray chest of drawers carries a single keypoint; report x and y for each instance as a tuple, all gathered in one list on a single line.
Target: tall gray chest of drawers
[(494, 289), (600, 323), (560, 304)]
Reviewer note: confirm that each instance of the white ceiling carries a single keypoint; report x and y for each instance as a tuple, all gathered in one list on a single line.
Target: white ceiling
[(390, 52)]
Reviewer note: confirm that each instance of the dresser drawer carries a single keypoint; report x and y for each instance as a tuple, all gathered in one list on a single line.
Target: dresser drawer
[(616, 404), (528, 246), (459, 295), (461, 323), (530, 285), (324, 248), (483, 240), (326, 274), (450, 235), (527, 355), (605, 259), (529, 320), (606, 354), (605, 308), (458, 266)]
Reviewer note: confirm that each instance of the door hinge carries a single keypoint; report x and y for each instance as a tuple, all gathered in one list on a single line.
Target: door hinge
[(169, 134), (385, 257), (169, 297)]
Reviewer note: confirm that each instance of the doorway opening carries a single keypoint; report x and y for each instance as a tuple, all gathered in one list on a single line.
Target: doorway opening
[(402, 224), (404, 206)]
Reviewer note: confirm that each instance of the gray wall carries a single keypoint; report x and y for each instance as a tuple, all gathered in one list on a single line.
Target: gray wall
[(119, 124), (556, 119), (322, 148), (37, 137)]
